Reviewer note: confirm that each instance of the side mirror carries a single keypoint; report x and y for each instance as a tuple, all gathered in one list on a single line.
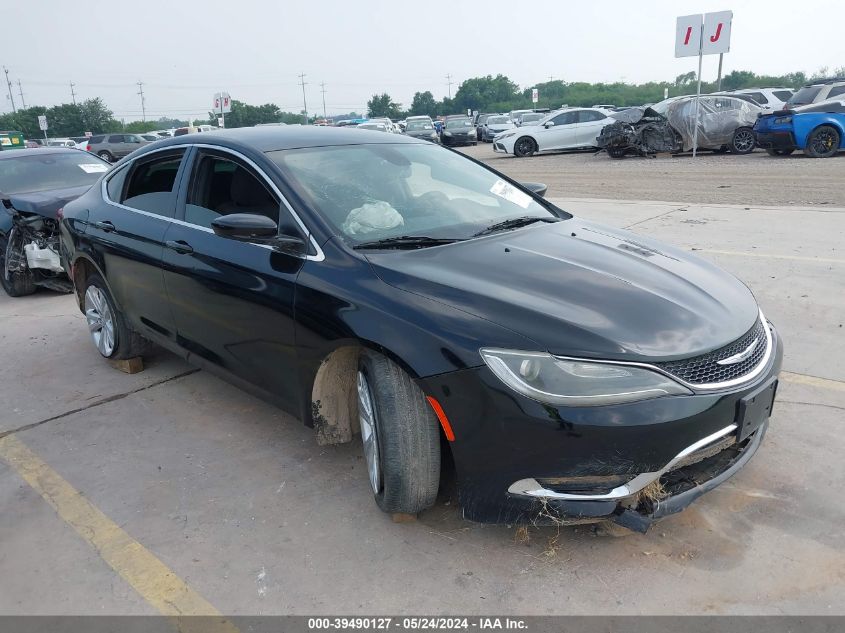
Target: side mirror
[(250, 227), (535, 187), (548, 124)]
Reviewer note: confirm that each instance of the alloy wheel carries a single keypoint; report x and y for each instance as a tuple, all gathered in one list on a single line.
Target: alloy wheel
[(100, 320), (367, 420), (823, 141), (744, 141)]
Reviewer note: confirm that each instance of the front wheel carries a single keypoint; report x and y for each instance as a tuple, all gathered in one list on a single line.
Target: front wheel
[(617, 152), (779, 152), (743, 141), (400, 435), (16, 284), (823, 142), (524, 146)]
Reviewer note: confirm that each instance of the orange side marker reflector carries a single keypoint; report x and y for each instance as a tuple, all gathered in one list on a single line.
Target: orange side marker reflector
[(441, 415)]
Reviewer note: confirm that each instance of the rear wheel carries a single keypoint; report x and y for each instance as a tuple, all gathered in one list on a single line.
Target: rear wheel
[(112, 338), (16, 284), (524, 146), (400, 435), (779, 152), (106, 156), (823, 142), (743, 141)]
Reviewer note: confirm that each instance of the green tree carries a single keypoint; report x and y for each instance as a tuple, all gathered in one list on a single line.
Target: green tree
[(246, 115), (383, 106), (483, 93), (96, 117), (423, 103)]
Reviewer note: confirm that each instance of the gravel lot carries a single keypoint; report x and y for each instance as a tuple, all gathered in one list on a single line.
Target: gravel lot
[(751, 180)]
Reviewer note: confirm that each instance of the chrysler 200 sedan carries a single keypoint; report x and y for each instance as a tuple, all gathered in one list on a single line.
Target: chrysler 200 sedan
[(384, 286)]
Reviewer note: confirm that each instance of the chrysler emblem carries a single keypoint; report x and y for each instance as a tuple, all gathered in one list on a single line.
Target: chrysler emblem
[(741, 356)]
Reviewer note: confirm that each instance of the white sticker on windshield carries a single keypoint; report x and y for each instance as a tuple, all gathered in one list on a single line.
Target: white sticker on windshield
[(510, 193), (93, 168)]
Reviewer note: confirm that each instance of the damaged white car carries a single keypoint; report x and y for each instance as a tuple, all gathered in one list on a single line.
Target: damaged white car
[(724, 124), (34, 186)]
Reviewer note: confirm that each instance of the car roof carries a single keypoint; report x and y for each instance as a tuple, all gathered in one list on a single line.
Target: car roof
[(38, 150), (268, 139)]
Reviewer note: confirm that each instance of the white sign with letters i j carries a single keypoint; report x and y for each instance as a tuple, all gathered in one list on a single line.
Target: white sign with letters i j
[(535, 95), (688, 35)]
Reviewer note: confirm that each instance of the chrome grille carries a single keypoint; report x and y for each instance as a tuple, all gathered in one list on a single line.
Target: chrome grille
[(705, 369)]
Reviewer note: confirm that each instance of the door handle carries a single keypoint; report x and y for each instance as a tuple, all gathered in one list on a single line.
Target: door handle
[(105, 225), (180, 247)]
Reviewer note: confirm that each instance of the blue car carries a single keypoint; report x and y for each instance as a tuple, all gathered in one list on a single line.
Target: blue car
[(818, 129)]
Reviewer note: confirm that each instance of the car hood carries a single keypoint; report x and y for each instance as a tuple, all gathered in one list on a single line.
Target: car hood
[(582, 289), (44, 203)]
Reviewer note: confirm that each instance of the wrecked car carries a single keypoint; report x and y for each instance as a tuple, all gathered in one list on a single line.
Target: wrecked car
[(724, 124), (384, 287), (34, 186)]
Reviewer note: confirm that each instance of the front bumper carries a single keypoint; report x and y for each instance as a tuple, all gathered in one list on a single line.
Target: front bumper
[(463, 139), (518, 460)]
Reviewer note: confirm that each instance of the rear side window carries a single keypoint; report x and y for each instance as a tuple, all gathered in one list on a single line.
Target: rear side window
[(151, 184), (783, 95), (835, 92), (115, 183), (96, 139), (759, 97), (221, 187), (587, 116)]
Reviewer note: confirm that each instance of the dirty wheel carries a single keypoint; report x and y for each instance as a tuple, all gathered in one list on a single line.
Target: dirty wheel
[(108, 330), (400, 435), (17, 284), (823, 142), (743, 141), (524, 146), (617, 152), (779, 152)]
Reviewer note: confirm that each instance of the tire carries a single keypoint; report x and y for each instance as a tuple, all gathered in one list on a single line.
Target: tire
[(106, 156), (779, 152), (113, 339), (823, 142), (400, 429), (524, 146), (742, 141), (18, 284)]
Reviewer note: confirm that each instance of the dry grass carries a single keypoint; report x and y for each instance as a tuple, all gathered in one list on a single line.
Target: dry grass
[(522, 535), (654, 492)]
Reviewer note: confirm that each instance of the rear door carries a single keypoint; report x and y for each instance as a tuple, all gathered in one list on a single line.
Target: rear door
[(590, 125), (127, 236), (233, 301)]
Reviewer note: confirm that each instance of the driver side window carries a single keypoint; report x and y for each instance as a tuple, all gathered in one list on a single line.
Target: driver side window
[(566, 118)]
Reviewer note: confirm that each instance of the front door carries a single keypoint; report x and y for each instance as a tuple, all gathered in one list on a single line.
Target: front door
[(128, 237), (233, 301), (561, 135)]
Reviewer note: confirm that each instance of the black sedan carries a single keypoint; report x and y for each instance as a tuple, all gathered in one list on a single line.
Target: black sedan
[(458, 131), (34, 185), (380, 285)]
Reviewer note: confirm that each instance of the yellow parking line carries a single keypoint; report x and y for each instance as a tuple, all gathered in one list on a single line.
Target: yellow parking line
[(813, 381), (150, 577), (798, 258)]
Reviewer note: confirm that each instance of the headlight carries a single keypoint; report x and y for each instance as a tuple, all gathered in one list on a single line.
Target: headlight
[(577, 383), (506, 135), (783, 120)]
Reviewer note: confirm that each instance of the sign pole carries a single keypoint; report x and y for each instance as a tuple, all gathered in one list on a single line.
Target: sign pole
[(222, 114), (719, 84), (697, 94)]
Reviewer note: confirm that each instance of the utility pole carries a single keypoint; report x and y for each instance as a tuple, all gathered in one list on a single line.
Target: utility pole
[(449, 83), (143, 104), (9, 83), (323, 90), (304, 104), (20, 90), (72, 93)]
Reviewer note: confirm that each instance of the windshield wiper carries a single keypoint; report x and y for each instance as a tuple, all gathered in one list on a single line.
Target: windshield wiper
[(408, 241), (513, 223)]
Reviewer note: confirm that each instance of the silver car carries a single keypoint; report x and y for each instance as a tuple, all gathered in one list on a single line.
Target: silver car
[(112, 147)]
